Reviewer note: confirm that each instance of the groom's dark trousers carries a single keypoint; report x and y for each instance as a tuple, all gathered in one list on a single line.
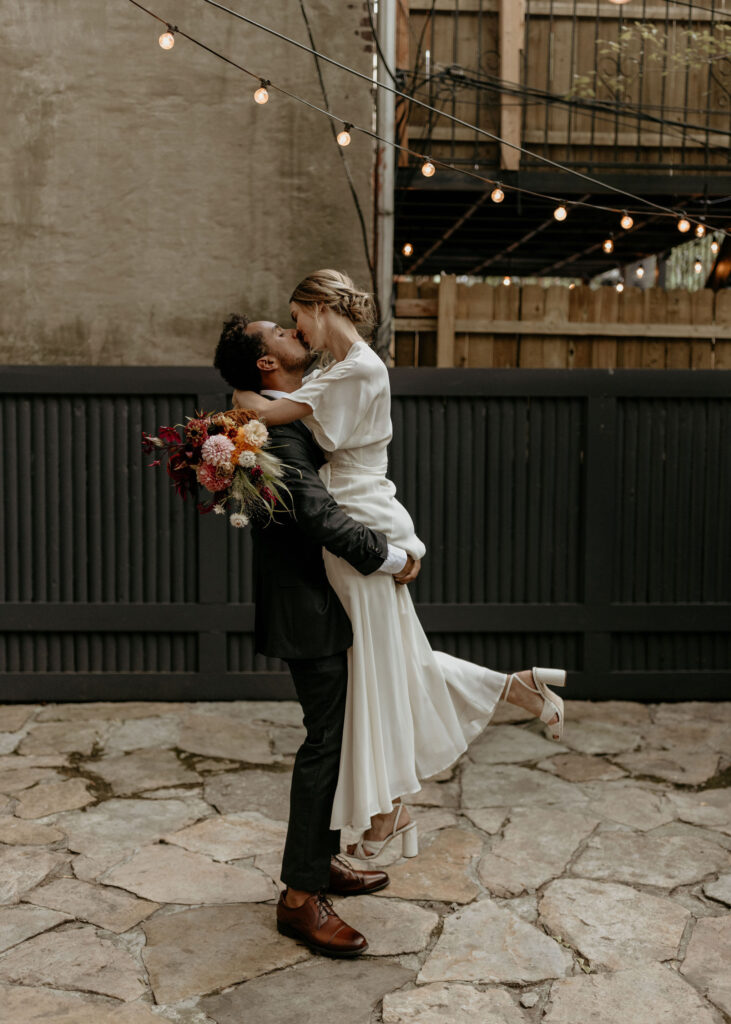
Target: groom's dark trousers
[(300, 619)]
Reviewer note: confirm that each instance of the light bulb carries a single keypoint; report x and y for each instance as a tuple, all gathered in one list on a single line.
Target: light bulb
[(640, 272), (683, 225), (698, 266), (626, 222), (428, 169), (344, 135), (261, 95), (572, 286), (507, 280), (167, 40), (620, 286), (407, 249), (560, 213), (608, 245), (618, 2), (700, 230), (497, 195), (715, 247)]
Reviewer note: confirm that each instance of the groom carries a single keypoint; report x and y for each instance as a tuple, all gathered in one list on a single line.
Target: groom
[(300, 619)]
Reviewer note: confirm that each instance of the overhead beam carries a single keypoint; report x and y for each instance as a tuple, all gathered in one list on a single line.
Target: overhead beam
[(510, 46)]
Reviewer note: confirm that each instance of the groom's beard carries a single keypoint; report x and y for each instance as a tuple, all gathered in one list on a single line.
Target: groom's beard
[(299, 364)]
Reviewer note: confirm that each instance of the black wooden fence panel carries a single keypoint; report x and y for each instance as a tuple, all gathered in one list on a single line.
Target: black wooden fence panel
[(577, 518)]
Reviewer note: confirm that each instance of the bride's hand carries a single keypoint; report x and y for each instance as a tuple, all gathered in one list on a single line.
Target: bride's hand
[(250, 400)]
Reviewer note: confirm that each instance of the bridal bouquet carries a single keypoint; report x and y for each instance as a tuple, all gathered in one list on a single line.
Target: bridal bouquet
[(224, 453)]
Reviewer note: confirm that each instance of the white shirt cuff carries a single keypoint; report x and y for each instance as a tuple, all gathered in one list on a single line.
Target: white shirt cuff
[(395, 561)]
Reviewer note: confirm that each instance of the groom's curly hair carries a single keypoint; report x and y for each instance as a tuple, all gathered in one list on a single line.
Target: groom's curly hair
[(237, 352)]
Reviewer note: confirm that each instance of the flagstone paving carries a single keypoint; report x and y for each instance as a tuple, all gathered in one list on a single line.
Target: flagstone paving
[(557, 883)]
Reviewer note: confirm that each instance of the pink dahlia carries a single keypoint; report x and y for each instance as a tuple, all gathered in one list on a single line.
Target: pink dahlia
[(207, 475), (218, 450)]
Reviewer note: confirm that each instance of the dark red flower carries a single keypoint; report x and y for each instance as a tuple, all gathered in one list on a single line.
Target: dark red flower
[(169, 435), (147, 443)]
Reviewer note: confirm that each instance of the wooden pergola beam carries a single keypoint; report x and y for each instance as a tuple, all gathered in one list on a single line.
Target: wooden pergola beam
[(511, 35)]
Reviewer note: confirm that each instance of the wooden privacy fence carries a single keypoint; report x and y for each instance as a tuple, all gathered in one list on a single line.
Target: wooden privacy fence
[(529, 326), (577, 519)]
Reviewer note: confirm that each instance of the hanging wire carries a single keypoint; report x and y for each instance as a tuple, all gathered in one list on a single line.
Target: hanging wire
[(422, 156)]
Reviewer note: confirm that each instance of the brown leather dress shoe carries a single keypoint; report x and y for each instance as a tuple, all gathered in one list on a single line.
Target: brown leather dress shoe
[(317, 925), (346, 881)]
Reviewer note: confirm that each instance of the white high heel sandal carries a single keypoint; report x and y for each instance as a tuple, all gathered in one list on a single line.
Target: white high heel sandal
[(367, 849), (552, 703)]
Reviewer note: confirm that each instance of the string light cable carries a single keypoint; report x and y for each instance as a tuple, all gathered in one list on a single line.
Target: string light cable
[(406, 149), (440, 113)]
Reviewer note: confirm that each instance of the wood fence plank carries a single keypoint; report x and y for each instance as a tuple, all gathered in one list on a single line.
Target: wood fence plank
[(446, 319), (701, 352), (604, 350), (656, 313), (481, 305), (556, 350), (532, 308), (632, 310), (507, 307), (677, 353), (581, 308), (722, 347)]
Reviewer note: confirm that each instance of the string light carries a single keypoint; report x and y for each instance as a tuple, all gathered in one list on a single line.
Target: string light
[(620, 286), (344, 136), (698, 266), (700, 230), (167, 39), (407, 249), (618, 2), (560, 213), (683, 225), (626, 221), (572, 285), (608, 245), (640, 272), (715, 247), (507, 280), (428, 169), (497, 195), (261, 95)]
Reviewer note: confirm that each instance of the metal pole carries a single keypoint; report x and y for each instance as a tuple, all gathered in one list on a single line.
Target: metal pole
[(385, 175)]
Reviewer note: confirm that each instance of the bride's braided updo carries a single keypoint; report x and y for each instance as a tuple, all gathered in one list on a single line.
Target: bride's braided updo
[(336, 291)]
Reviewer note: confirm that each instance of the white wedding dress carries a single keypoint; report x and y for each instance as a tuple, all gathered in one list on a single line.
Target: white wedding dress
[(410, 711)]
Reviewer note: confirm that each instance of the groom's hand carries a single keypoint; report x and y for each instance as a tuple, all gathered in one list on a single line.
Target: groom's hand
[(410, 571)]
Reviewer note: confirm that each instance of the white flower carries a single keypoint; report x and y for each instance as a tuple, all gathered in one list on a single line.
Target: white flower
[(219, 509), (238, 519), (247, 460), (217, 449), (256, 433)]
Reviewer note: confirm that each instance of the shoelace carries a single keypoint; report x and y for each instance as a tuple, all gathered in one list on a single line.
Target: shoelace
[(325, 906)]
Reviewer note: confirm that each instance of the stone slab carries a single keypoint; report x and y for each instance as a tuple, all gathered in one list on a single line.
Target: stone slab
[(710, 808), (168, 874), (13, 780), (25, 1005), (514, 786), (391, 927), (652, 994), (451, 1004), (128, 774), (708, 958), (629, 804), (197, 951), (625, 712), (53, 797), (14, 716), (275, 712), (17, 832), (488, 943), (113, 909), (536, 845), (23, 868), (720, 889), (231, 836), (15, 762), (600, 737), (105, 710), (76, 959), (62, 738), (487, 819), (440, 872), (226, 736), (110, 831), (502, 744), (432, 819), (663, 861), (287, 740), (342, 991), (681, 765), (160, 731), (581, 767), (682, 711), (614, 926), (436, 794), (22, 922), (253, 790)]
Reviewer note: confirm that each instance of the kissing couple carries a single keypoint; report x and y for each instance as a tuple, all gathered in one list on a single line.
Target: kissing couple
[(381, 709)]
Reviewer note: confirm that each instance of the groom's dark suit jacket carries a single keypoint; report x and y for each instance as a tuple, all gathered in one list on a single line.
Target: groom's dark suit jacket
[(298, 614)]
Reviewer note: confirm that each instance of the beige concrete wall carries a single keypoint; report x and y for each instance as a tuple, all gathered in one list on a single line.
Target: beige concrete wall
[(145, 196)]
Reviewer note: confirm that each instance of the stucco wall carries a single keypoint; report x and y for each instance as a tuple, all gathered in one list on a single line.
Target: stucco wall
[(144, 194)]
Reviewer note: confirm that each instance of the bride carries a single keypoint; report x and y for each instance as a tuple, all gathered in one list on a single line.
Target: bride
[(410, 711)]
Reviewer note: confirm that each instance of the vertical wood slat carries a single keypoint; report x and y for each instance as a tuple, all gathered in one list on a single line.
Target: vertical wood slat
[(446, 319), (511, 32)]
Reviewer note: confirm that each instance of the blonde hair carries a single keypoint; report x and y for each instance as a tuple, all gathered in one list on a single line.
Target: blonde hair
[(336, 291)]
